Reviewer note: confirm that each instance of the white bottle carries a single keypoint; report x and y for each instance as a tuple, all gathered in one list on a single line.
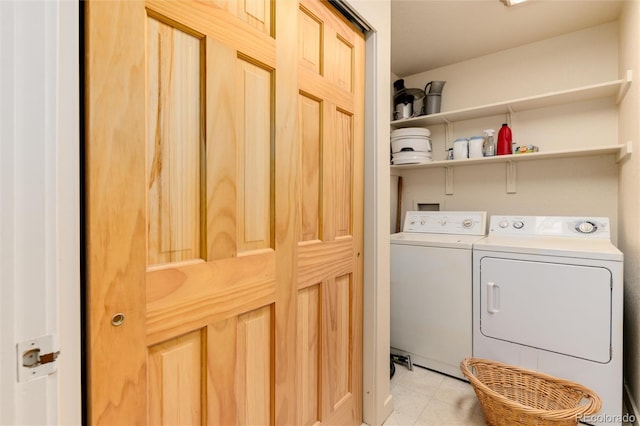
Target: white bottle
[(489, 144)]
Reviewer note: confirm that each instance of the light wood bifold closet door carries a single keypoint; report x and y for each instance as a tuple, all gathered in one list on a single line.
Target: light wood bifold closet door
[(224, 213)]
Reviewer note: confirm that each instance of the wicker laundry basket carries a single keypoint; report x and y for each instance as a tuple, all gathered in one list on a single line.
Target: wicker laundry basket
[(511, 395)]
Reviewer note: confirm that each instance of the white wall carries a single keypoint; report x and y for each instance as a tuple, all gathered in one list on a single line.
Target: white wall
[(576, 59), (39, 207), (630, 196), (574, 186), (377, 400)]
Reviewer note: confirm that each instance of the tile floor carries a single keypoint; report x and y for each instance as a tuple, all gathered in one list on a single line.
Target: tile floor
[(423, 397)]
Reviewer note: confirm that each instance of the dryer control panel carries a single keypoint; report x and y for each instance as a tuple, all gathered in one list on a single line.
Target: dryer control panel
[(551, 226), (446, 222)]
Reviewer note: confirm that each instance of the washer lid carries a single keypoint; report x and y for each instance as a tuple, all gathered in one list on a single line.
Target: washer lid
[(436, 240), (551, 246)]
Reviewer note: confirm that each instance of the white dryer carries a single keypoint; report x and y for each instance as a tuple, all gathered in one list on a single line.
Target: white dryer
[(547, 295), (431, 270)]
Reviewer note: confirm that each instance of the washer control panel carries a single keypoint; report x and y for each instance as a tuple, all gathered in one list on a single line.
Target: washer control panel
[(446, 222), (560, 226)]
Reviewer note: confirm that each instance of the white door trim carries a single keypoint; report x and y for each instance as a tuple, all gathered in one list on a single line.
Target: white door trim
[(39, 205)]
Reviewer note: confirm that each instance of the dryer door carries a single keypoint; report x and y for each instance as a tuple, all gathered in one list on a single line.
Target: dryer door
[(550, 306)]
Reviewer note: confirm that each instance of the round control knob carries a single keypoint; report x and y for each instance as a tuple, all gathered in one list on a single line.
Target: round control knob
[(586, 227), (443, 222), (503, 224), (422, 221), (467, 223), (518, 224)]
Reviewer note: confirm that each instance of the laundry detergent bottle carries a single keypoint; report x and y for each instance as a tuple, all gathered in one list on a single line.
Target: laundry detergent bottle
[(504, 140)]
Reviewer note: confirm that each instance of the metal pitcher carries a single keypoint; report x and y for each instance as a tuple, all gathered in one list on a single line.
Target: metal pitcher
[(435, 87)]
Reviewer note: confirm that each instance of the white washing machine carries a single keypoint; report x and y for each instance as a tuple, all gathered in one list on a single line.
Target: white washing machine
[(547, 295), (431, 287)]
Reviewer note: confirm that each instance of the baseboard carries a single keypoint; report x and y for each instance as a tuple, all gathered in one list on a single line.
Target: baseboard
[(629, 402)]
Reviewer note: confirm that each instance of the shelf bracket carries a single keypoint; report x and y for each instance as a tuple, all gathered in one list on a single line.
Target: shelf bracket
[(625, 151), (511, 177), (448, 132), (510, 116), (448, 180), (625, 86)]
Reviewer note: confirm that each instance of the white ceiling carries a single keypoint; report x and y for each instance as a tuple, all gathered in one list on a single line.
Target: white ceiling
[(428, 34)]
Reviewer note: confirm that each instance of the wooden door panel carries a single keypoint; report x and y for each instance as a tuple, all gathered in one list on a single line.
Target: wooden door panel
[(175, 143), (328, 105), (336, 342), (240, 369), (340, 60), (309, 40), (341, 180), (254, 369), (342, 63), (308, 361), (310, 119), (257, 13), (254, 124), (176, 375), (326, 317)]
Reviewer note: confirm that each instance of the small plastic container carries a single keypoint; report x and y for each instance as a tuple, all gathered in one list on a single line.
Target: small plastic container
[(460, 149), (489, 144), (476, 147)]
